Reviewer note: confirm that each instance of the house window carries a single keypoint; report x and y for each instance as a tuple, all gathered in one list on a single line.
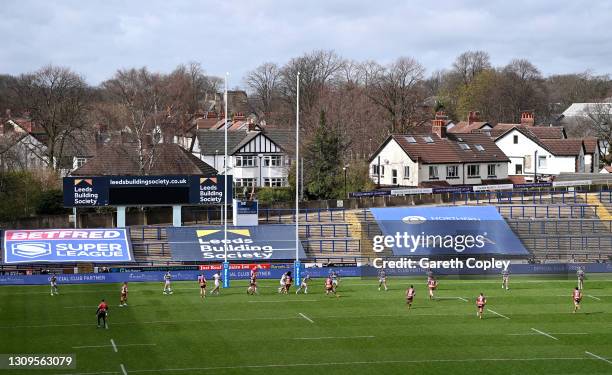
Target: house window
[(452, 171), (273, 161), (464, 146), (246, 182), (80, 162), (516, 139), (518, 169), (542, 162), (275, 182), (473, 170), (433, 172), (491, 170), (245, 161), (375, 169), (406, 172)]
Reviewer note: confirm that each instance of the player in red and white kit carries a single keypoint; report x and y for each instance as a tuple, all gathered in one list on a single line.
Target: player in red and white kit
[(102, 313), (288, 281), (124, 295), (252, 289), (410, 293), (202, 283), (329, 286), (481, 301), (577, 296), (432, 284)]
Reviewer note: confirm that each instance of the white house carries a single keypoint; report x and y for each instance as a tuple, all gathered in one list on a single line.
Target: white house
[(256, 157), (438, 159), (551, 156)]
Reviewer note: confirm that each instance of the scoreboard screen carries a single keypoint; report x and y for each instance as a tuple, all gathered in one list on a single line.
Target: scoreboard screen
[(144, 190)]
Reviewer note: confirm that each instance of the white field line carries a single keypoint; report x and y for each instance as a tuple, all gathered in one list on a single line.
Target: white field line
[(114, 345), (552, 333), (304, 300), (327, 364), (498, 314), (333, 338), (307, 318), (545, 334), (249, 319), (598, 357), (123, 369), (461, 298), (108, 346), (596, 298)]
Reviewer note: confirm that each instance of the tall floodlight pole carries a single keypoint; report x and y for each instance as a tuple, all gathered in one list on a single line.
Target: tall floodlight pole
[(297, 266), (225, 262)]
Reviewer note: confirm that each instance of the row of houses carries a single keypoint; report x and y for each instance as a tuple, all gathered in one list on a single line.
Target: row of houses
[(472, 152), (437, 154)]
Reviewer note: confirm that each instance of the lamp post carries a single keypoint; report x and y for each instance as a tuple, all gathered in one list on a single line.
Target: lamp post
[(345, 169)]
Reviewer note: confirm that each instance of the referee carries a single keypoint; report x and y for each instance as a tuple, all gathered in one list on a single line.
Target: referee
[(102, 313)]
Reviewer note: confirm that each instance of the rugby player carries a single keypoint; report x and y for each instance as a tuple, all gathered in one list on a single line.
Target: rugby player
[(282, 283), (580, 274), (304, 285), (382, 280), (505, 277), (202, 283), (217, 279), (53, 281), (288, 281), (252, 289), (577, 296), (410, 293), (481, 301), (167, 287), (335, 280), (102, 313), (124, 295), (329, 286), (432, 284)]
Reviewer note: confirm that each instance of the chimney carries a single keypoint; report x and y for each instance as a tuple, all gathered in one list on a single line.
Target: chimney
[(473, 116), (441, 115), (438, 127), (211, 114), (527, 118), (239, 117)]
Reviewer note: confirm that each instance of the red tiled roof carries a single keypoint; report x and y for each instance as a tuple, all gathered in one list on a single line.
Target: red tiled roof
[(563, 147), (590, 145), (448, 150), (465, 127), (122, 159), (547, 132)]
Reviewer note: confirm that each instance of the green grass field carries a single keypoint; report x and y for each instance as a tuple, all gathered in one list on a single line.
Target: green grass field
[(362, 332)]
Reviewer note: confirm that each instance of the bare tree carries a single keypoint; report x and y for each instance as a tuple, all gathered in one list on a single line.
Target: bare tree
[(398, 89), (137, 97), (56, 100), (316, 69), (470, 63), (263, 83), (598, 119)]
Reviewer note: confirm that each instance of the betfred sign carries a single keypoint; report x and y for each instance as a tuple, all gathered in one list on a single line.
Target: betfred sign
[(67, 245)]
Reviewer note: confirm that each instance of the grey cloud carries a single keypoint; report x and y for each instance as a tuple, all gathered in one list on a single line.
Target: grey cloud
[(96, 38)]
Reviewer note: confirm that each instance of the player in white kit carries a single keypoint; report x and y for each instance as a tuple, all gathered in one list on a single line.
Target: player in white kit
[(167, 281), (217, 279)]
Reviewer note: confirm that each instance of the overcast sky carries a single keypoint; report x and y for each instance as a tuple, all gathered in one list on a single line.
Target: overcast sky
[(95, 38)]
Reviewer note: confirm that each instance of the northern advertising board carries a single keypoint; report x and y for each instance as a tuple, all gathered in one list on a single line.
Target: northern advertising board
[(458, 231), (206, 244), (67, 246), (144, 190)]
